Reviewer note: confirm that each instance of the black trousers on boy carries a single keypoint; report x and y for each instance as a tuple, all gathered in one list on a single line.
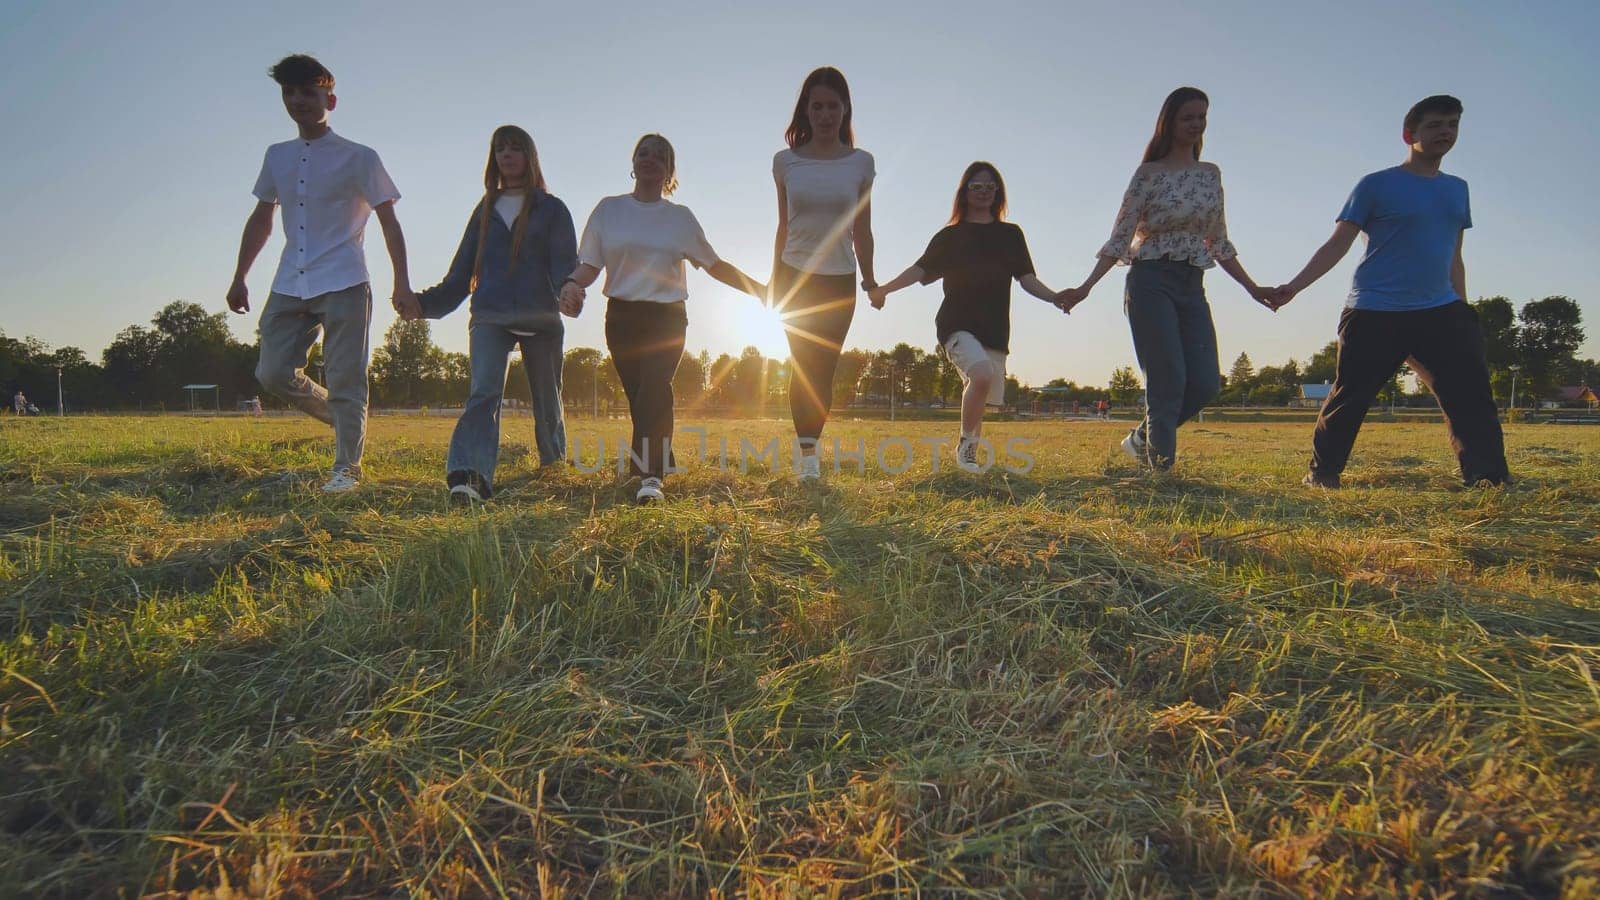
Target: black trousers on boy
[(1444, 346)]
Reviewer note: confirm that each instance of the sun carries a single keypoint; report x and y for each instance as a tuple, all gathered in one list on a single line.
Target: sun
[(760, 327)]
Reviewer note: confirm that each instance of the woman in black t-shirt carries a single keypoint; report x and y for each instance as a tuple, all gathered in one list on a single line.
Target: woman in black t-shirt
[(977, 255)]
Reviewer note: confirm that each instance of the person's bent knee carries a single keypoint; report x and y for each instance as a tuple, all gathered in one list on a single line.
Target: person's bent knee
[(981, 376), (276, 380)]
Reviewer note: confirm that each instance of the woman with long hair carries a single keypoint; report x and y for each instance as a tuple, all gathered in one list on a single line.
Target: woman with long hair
[(641, 240), (1170, 229), (824, 234), (517, 250), (977, 254)]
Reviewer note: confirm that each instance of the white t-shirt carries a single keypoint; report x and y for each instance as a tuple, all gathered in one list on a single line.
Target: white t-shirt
[(824, 195), (326, 190), (642, 246), (507, 205)]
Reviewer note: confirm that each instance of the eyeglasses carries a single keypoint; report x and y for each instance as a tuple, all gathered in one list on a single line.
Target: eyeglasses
[(982, 186)]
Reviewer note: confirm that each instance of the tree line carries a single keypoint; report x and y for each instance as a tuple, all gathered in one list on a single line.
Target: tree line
[(146, 367)]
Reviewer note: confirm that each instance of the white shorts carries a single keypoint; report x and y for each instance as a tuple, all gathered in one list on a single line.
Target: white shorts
[(965, 351)]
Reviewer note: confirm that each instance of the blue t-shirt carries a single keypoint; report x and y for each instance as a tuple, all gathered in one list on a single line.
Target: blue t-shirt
[(1412, 223)]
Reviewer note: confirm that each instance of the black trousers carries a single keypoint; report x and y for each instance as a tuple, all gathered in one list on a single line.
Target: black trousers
[(646, 344), (816, 311), (1444, 346)]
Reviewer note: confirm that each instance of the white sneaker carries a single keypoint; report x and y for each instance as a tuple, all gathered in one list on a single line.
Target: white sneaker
[(967, 454), (1134, 447), (649, 491), (340, 482), (810, 468), (465, 494)]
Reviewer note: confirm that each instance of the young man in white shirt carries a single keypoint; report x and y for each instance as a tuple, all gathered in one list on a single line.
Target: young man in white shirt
[(327, 187)]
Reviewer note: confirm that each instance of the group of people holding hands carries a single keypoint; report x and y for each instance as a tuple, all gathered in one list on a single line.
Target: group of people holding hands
[(523, 265)]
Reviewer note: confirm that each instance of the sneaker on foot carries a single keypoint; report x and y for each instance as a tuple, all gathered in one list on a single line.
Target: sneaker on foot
[(967, 454), (467, 487), (341, 481), (1326, 482), (649, 491), (810, 467), (1134, 446)]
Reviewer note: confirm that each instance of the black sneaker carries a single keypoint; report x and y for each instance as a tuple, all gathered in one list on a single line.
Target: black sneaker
[(1326, 482), (1487, 481), (467, 487)]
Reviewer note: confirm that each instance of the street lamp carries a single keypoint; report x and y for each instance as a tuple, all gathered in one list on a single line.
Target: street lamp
[(1514, 387), (61, 405)]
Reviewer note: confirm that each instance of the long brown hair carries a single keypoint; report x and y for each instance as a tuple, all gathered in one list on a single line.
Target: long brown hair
[(493, 187), (799, 130), (1161, 142), (958, 210)]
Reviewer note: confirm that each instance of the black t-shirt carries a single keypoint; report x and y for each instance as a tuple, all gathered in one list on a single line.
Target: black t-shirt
[(978, 262)]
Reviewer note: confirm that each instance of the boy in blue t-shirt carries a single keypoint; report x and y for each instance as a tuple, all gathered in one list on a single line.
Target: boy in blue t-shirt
[(1407, 303)]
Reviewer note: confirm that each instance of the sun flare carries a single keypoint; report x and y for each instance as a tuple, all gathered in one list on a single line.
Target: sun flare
[(761, 327)]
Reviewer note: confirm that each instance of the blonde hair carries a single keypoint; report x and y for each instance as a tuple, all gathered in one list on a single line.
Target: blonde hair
[(493, 187), (671, 183)]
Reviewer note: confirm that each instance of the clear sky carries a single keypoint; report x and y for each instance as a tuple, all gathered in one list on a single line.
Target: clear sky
[(134, 132)]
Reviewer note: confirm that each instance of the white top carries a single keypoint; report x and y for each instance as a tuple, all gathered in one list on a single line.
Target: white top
[(642, 246), (507, 205), (326, 189), (1173, 215), (824, 196)]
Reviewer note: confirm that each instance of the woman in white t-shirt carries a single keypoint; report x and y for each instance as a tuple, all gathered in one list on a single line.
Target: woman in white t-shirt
[(824, 235), (641, 239)]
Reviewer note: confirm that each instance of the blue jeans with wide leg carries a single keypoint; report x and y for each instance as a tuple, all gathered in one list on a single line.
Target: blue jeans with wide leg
[(1176, 344), (475, 444)]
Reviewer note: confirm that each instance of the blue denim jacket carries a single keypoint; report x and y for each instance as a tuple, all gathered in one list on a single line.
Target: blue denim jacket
[(525, 298)]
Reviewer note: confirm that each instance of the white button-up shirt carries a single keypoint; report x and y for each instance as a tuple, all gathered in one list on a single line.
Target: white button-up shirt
[(326, 190)]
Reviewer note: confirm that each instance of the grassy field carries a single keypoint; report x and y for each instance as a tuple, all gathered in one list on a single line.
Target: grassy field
[(1082, 680)]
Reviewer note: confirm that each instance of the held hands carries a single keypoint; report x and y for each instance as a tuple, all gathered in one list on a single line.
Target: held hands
[(1067, 299), (1274, 298), (406, 304), (571, 301), (877, 296)]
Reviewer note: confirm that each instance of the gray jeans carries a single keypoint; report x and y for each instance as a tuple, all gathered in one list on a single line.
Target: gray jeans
[(1176, 344), (289, 326), (475, 444)]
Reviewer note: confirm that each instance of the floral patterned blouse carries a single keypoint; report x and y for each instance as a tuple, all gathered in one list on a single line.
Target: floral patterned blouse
[(1172, 214)]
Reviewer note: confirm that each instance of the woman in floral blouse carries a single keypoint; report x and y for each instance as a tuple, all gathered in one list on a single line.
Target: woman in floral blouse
[(1171, 229)]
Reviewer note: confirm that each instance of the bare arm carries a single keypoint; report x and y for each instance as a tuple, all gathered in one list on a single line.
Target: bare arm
[(782, 236), (1458, 269), (395, 240), (1326, 257), (730, 275), (1261, 295), (257, 229), (1031, 283), (1071, 297), (912, 275), (861, 236)]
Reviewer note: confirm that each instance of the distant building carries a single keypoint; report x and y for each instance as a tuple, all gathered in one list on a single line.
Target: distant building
[(1574, 395), (1311, 396)]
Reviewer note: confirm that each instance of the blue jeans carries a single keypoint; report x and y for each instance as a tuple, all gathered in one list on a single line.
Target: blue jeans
[(1176, 344), (475, 445)]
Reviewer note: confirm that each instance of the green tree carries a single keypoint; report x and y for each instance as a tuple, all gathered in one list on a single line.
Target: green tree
[(689, 382), (1323, 365), (405, 363), (1242, 374), (1550, 332), (580, 380), (1125, 385)]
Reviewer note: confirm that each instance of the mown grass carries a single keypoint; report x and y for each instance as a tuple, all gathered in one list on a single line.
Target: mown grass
[(1079, 681)]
